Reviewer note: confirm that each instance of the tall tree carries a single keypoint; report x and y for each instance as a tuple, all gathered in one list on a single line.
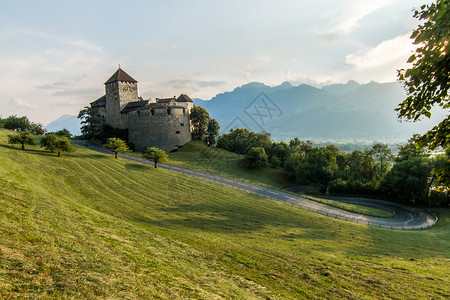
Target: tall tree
[(427, 82), (317, 167), (383, 155), (23, 138), (213, 132), (156, 155), (91, 121), (199, 120), (117, 146)]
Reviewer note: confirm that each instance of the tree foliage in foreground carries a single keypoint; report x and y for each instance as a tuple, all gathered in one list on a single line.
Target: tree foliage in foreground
[(427, 82), (156, 155), (117, 146)]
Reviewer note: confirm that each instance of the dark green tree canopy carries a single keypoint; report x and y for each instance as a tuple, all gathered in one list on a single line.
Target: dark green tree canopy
[(91, 121), (427, 82), (256, 157), (199, 119), (23, 124)]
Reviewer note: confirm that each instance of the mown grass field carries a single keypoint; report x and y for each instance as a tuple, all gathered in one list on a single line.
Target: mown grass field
[(196, 155), (87, 225)]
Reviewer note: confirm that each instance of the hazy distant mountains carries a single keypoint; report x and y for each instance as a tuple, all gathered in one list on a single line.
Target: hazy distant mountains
[(71, 123), (350, 111), (334, 112)]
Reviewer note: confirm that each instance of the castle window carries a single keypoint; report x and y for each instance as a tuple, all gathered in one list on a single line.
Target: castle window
[(139, 113), (152, 111), (184, 112), (182, 124), (177, 132), (168, 111)]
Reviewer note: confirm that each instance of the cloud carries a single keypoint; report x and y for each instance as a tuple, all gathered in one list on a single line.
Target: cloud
[(202, 84), (352, 14), (394, 52), (193, 85), (19, 103)]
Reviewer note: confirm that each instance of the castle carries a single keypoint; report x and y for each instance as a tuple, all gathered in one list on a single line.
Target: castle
[(163, 123)]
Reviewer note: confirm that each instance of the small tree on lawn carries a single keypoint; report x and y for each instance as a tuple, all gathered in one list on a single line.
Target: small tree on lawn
[(63, 144), (48, 141), (117, 146), (156, 155), (22, 137), (55, 143)]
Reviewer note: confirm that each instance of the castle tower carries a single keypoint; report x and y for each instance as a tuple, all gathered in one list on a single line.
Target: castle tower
[(120, 89)]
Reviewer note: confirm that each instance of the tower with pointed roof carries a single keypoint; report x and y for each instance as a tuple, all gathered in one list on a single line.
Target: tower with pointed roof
[(164, 124), (120, 90)]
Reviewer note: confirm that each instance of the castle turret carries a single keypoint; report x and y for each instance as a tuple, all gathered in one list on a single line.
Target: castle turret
[(120, 89)]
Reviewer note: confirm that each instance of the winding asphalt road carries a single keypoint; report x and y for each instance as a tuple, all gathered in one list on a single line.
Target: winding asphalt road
[(406, 217)]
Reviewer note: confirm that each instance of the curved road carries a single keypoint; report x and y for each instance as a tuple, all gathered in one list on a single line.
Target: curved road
[(406, 217)]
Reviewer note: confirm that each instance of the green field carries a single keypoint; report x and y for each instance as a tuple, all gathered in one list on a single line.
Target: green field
[(88, 225), (196, 155)]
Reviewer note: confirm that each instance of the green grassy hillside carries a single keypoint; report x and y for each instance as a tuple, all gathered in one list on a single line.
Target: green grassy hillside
[(196, 155), (88, 225)]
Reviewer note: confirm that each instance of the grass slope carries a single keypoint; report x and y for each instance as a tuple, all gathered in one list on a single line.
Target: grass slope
[(88, 225), (196, 155)]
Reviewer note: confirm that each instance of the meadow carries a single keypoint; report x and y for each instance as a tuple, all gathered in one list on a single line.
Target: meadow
[(88, 225)]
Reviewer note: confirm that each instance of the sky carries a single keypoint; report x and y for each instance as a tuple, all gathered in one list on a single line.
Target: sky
[(56, 55)]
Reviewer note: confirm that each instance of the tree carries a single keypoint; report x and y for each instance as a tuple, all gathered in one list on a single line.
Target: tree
[(48, 141), (91, 121), (23, 124), (411, 149), (117, 146), (156, 155), (22, 137), (55, 143), (317, 167), (383, 155), (256, 157), (64, 132), (199, 120), (408, 180), (427, 82), (213, 132), (441, 173)]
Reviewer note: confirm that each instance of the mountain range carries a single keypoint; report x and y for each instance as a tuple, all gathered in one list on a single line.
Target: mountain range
[(349, 111)]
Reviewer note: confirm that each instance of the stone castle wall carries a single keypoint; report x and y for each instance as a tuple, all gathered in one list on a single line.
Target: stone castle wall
[(164, 128), (118, 94)]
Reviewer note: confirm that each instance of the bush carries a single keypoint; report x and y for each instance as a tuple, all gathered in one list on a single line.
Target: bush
[(256, 157)]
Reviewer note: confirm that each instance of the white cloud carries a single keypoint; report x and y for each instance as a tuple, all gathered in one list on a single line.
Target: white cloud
[(352, 13), (19, 103), (393, 52)]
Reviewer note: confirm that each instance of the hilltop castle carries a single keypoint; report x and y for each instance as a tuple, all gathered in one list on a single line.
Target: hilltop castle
[(163, 123)]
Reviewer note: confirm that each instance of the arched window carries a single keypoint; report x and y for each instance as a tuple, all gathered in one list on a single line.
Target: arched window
[(168, 111), (152, 111)]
